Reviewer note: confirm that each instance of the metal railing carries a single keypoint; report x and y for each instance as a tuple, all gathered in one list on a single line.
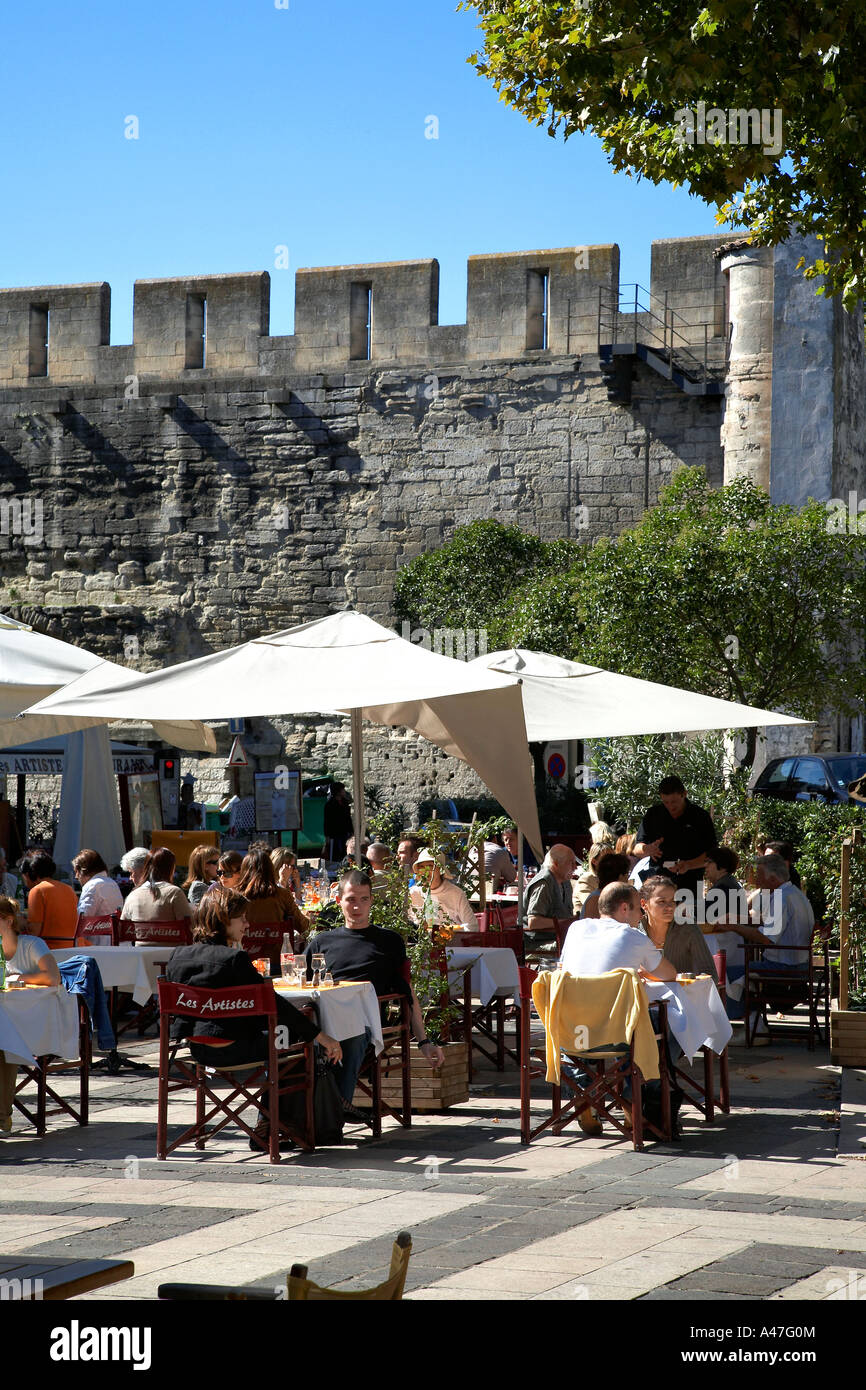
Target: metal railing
[(631, 316)]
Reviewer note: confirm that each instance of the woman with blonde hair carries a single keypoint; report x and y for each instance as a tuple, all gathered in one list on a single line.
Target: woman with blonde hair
[(203, 863), (625, 845), (285, 863), (587, 879)]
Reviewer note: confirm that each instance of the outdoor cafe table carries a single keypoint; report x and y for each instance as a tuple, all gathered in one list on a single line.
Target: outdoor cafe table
[(50, 1277), (131, 969), (345, 1010), (38, 1021), (696, 1014), (494, 970)]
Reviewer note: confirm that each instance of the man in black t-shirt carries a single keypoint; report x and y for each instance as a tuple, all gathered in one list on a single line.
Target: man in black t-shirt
[(357, 951), (678, 834)]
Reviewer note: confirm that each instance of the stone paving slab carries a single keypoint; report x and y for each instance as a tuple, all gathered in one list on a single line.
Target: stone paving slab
[(751, 1207)]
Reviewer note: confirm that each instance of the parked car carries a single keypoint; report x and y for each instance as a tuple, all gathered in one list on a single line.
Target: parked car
[(811, 778)]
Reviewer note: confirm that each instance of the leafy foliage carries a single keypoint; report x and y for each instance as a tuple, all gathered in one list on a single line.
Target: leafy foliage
[(463, 583), (631, 769), (715, 590), (625, 69)]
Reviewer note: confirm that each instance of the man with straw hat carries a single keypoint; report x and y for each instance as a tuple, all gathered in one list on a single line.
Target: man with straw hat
[(436, 888)]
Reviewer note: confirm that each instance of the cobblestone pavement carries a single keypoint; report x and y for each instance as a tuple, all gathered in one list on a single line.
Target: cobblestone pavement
[(769, 1203)]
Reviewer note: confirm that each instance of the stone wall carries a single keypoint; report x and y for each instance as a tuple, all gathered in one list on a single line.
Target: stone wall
[(182, 509)]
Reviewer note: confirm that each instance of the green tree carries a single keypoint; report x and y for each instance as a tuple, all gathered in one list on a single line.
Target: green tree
[(628, 69), (715, 590), (462, 584)]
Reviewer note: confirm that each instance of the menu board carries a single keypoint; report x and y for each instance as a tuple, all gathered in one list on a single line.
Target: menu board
[(278, 800), (145, 809)]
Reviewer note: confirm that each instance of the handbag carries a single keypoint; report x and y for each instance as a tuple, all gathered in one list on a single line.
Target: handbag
[(328, 1114)]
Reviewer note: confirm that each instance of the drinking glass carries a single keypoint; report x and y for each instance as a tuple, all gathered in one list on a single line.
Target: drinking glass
[(319, 964), (329, 979), (301, 968)]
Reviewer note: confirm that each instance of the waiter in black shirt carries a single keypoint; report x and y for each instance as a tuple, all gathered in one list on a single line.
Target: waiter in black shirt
[(357, 951), (678, 833)]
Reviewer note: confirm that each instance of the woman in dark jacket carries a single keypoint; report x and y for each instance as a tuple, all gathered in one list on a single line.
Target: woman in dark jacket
[(215, 961)]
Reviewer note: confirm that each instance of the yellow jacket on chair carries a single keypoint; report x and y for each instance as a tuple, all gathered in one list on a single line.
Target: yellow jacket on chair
[(583, 1013)]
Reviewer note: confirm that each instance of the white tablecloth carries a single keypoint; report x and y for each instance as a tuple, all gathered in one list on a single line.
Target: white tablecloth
[(344, 1010), (39, 1021), (133, 969), (494, 970), (696, 1014)]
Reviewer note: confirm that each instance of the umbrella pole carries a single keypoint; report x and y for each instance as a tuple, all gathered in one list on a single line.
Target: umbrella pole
[(520, 914), (357, 782)]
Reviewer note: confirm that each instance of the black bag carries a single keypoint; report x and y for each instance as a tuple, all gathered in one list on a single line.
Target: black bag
[(327, 1105)]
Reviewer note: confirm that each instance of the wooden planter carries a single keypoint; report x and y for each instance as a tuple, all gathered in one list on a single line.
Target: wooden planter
[(431, 1090), (848, 1038)]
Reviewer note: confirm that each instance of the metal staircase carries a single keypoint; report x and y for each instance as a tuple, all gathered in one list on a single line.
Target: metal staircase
[(632, 323)]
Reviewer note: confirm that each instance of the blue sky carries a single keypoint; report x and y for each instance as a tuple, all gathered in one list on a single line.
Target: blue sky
[(302, 127)]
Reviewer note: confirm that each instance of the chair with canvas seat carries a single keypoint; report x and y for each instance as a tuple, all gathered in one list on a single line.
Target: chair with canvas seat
[(703, 1096), (97, 931), (559, 999), (47, 1069), (395, 1057), (782, 991), (257, 1085), (488, 1020), (265, 939), (171, 933)]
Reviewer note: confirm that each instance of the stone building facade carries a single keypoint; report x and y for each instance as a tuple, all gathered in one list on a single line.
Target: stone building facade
[(209, 481)]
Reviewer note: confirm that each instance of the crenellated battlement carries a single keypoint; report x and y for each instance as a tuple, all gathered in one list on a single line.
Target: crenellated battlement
[(523, 303)]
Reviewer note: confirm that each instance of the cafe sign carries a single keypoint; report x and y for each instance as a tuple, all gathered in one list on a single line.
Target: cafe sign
[(14, 764)]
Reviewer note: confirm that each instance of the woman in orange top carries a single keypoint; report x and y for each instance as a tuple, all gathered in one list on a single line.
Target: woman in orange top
[(52, 907)]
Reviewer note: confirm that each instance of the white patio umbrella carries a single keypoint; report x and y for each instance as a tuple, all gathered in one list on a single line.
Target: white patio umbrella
[(33, 666), (345, 663), (564, 700)]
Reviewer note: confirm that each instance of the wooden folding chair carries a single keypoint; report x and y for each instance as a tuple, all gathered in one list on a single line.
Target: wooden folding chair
[(257, 1084), (298, 1286), (266, 939), (608, 1071), (172, 933), (704, 1097), (783, 992), (395, 1056), (97, 931), (46, 1067), (488, 1020)]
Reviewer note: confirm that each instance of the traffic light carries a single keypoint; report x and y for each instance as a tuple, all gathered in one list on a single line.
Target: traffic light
[(168, 769)]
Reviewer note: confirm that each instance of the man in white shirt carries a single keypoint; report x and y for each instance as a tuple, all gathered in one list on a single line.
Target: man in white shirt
[(450, 903), (611, 941), (790, 920), (100, 895)]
